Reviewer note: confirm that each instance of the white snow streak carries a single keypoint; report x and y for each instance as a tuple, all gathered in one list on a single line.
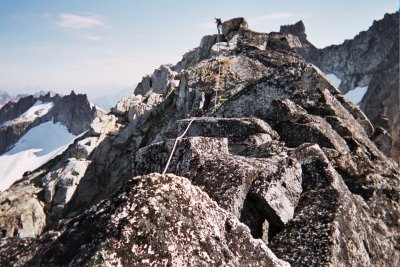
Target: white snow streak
[(39, 109)]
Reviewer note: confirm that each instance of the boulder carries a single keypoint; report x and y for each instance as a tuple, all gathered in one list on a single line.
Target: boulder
[(123, 106), (233, 25), (144, 223), (144, 86), (236, 179), (249, 38), (157, 82), (103, 125), (283, 42), (21, 212)]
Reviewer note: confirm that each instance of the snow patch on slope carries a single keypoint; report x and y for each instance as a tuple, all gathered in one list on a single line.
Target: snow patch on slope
[(357, 94), (39, 109), (35, 148), (333, 79)]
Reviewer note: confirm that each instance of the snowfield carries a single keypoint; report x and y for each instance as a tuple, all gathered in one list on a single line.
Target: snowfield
[(36, 147), (39, 109), (355, 95), (334, 79)]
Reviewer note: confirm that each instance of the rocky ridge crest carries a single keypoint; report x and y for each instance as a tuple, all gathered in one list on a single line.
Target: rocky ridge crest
[(369, 59), (276, 168)]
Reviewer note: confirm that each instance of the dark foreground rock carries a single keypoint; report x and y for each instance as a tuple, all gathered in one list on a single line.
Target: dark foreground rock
[(335, 226), (157, 220)]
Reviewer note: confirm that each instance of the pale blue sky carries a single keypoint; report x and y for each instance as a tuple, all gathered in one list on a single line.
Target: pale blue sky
[(102, 46)]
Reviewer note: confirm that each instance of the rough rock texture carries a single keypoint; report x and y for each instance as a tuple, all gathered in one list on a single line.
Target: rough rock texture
[(197, 54), (233, 26), (157, 82), (74, 111), (284, 42), (123, 106), (233, 176), (129, 229), (278, 148), (307, 50), (382, 97), (235, 129), (342, 232), (21, 212), (369, 59), (18, 251)]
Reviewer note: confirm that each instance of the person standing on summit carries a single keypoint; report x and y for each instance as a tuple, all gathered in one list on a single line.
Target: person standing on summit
[(219, 25)]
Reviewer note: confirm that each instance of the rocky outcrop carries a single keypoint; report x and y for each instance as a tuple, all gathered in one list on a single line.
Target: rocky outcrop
[(158, 82), (307, 50), (197, 54), (21, 212), (75, 112), (277, 166), (233, 175), (369, 59), (354, 61), (382, 98), (233, 26), (129, 229), (322, 222)]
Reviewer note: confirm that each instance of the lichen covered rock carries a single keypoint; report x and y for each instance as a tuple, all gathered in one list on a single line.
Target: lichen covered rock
[(129, 229)]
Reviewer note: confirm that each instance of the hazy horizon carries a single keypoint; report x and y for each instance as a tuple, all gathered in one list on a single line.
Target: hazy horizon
[(101, 48)]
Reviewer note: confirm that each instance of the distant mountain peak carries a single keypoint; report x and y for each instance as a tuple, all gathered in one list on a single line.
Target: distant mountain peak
[(297, 29)]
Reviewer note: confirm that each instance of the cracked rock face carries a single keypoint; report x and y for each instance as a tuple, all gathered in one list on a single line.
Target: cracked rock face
[(277, 168), (129, 229), (337, 216), (369, 59)]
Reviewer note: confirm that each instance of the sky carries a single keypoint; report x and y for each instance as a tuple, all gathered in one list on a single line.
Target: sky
[(100, 47)]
